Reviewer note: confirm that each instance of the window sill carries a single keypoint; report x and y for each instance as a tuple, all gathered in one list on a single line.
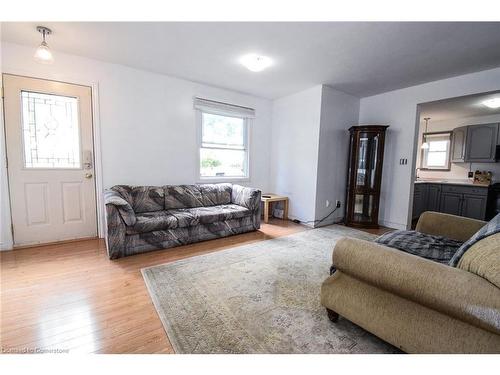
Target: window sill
[(210, 180), (435, 169)]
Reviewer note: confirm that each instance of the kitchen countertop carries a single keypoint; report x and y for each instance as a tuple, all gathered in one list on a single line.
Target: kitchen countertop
[(450, 182)]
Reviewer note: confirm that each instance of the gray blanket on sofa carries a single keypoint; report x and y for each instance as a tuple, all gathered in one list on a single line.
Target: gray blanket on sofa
[(437, 248)]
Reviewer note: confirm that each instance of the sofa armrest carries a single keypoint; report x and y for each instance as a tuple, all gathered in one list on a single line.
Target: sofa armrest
[(116, 232), (450, 226), (246, 197), (126, 211), (449, 290)]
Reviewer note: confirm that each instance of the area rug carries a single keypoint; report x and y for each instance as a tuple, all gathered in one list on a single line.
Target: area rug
[(257, 298)]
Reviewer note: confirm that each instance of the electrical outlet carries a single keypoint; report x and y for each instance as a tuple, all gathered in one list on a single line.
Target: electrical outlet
[(337, 203), (327, 203)]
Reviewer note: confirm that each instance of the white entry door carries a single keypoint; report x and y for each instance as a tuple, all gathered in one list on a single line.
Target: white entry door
[(50, 160)]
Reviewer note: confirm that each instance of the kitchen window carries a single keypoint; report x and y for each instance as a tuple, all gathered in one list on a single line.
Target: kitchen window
[(436, 156)]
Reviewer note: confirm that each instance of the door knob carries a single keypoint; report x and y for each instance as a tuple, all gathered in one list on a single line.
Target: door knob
[(88, 175)]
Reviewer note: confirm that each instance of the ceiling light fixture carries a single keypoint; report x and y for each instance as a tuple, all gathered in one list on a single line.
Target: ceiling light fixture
[(43, 53), (425, 145), (256, 63), (492, 103)]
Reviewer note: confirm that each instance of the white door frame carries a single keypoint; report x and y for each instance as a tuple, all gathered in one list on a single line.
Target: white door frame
[(96, 136)]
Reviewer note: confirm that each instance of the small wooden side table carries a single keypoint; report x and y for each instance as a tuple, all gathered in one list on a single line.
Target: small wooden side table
[(267, 199)]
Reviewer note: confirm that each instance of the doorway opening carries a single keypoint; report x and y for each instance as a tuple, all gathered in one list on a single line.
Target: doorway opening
[(457, 156)]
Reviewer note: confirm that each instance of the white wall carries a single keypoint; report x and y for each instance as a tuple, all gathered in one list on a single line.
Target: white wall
[(147, 121), (294, 155), (309, 155), (5, 233), (399, 110), (149, 136), (458, 170), (339, 111)]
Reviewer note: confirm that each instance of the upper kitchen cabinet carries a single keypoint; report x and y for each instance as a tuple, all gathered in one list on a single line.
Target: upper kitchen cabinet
[(481, 141), (458, 144)]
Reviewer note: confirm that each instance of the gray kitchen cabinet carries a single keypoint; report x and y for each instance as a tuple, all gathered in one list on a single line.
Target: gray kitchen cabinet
[(474, 206), (462, 200), (419, 200), (433, 197), (481, 141), (451, 203), (458, 144)]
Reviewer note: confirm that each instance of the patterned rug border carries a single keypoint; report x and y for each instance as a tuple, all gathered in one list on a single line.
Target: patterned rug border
[(164, 322)]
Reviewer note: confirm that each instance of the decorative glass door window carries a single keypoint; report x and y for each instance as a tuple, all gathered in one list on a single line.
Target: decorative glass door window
[(51, 133), (223, 151)]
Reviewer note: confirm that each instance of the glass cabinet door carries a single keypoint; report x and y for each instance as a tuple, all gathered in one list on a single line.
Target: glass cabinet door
[(363, 207), (366, 161)]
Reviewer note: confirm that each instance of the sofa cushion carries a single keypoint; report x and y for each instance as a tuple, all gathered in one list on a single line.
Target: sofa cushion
[(151, 221), (142, 198), (489, 229), (182, 196), (483, 259), (437, 248), (200, 195), (186, 217), (215, 194)]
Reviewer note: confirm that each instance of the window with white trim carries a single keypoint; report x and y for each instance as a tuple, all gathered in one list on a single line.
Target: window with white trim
[(437, 153), (223, 142)]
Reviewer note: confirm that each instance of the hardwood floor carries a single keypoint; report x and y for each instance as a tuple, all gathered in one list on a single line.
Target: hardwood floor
[(70, 297)]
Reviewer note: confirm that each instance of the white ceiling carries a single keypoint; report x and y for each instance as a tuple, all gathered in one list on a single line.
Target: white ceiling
[(358, 58), (458, 108)]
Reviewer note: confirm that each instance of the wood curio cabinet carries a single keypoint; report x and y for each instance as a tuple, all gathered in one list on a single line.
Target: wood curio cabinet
[(366, 154)]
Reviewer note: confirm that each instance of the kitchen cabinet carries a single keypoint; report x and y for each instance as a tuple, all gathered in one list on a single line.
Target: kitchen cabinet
[(458, 144), (451, 203), (433, 197), (462, 200), (419, 200), (474, 206), (475, 143), (481, 141)]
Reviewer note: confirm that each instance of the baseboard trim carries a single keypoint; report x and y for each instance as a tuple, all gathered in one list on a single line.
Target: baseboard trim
[(6, 246), (390, 224)]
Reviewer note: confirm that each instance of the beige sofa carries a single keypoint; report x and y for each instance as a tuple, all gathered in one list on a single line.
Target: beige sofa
[(415, 304)]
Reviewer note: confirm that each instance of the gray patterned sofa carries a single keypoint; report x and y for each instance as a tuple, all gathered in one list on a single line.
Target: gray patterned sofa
[(145, 218)]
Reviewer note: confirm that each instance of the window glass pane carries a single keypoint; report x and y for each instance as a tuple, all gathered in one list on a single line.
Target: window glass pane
[(438, 145), (436, 156), (222, 163), (51, 134), (222, 131), (436, 159)]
